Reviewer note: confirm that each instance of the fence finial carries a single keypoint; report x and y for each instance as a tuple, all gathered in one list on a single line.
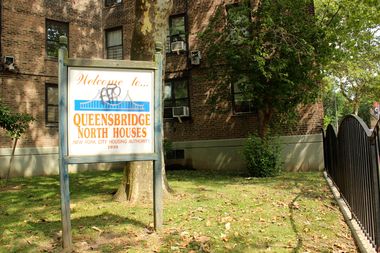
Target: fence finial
[(63, 40), (158, 46)]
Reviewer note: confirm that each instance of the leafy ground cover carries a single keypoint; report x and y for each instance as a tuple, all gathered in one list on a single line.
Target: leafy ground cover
[(294, 212)]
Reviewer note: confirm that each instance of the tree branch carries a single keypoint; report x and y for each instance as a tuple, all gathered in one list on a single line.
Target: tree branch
[(336, 13)]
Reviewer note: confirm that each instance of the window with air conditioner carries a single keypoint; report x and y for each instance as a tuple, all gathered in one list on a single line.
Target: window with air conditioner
[(195, 57), (177, 39), (176, 99), (8, 60), (9, 64)]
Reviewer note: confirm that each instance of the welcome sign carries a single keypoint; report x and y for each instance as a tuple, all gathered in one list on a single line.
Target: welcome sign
[(110, 111)]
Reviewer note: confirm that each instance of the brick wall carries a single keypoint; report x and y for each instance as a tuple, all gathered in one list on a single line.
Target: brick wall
[(205, 124), (121, 15), (23, 36)]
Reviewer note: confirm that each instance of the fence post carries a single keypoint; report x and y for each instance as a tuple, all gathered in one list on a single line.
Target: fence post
[(324, 150), (374, 141)]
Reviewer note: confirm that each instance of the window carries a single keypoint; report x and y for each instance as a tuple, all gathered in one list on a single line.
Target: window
[(175, 154), (114, 43), (241, 104), (176, 94), (177, 33), (112, 2), (239, 33), (55, 29), (239, 22), (51, 104)]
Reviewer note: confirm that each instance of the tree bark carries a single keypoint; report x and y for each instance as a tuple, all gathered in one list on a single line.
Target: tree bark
[(150, 26), (264, 118), (136, 184), (11, 160), (355, 106)]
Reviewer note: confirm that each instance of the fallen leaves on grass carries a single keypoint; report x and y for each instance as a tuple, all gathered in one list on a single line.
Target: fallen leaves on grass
[(149, 229), (294, 205), (192, 242), (97, 229), (204, 215)]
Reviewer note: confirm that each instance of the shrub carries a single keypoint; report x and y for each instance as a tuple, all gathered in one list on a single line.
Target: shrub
[(262, 156), (167, 146)]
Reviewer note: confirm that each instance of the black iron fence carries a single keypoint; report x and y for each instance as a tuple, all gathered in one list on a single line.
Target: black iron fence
[(352, 162)]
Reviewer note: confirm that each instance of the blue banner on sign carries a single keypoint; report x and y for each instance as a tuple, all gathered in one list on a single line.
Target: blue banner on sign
[(113, 106)]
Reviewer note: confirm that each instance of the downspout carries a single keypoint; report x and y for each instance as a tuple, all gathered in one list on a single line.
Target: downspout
[(1, 47), (1, 29), (188, 64), (187, 27)]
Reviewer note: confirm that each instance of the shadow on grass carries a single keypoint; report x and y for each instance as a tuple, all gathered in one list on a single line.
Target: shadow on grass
[(309, 184), (88, 230), (38, 198), (292, 206)]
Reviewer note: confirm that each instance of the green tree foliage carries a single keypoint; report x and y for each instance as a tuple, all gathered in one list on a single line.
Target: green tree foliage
[(14, 123), (273, 51), (352, 28), (334, 105)]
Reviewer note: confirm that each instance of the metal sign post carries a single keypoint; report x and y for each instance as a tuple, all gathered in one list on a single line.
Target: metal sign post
[(110, 111), (63, 166), (157, 164)]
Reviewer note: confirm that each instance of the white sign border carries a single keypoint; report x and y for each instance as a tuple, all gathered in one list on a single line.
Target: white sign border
[(124, 71)]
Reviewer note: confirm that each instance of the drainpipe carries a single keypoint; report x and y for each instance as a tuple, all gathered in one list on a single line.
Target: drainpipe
[(188, 28), (1, 28), (1, 45)]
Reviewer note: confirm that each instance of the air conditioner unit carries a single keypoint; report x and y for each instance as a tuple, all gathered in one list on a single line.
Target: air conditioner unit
[(195, 57), (9, 60), (10, 67), (178, 46), (180, 111), (9, 64)]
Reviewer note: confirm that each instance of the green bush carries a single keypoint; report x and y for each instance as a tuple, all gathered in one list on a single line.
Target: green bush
[(262, 156), (167, 146)]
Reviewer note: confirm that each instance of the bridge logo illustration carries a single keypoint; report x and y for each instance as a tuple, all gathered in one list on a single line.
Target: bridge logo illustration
[(107, 99)]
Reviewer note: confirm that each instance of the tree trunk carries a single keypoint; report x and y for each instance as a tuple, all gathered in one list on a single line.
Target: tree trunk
[(150, 26), (136, 184), (264, 117), (356, 107), (11, 160)]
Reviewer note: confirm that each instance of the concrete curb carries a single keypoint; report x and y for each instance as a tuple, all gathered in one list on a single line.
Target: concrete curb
[(361, 240)]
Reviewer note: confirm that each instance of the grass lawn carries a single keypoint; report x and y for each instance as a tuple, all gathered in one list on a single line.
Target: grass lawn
[(294, 212)]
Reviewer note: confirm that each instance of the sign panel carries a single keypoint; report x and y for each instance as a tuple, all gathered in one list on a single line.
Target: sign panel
[(110, 111)]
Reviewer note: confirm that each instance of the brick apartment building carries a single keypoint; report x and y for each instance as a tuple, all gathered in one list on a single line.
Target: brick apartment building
[(103, 29)]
